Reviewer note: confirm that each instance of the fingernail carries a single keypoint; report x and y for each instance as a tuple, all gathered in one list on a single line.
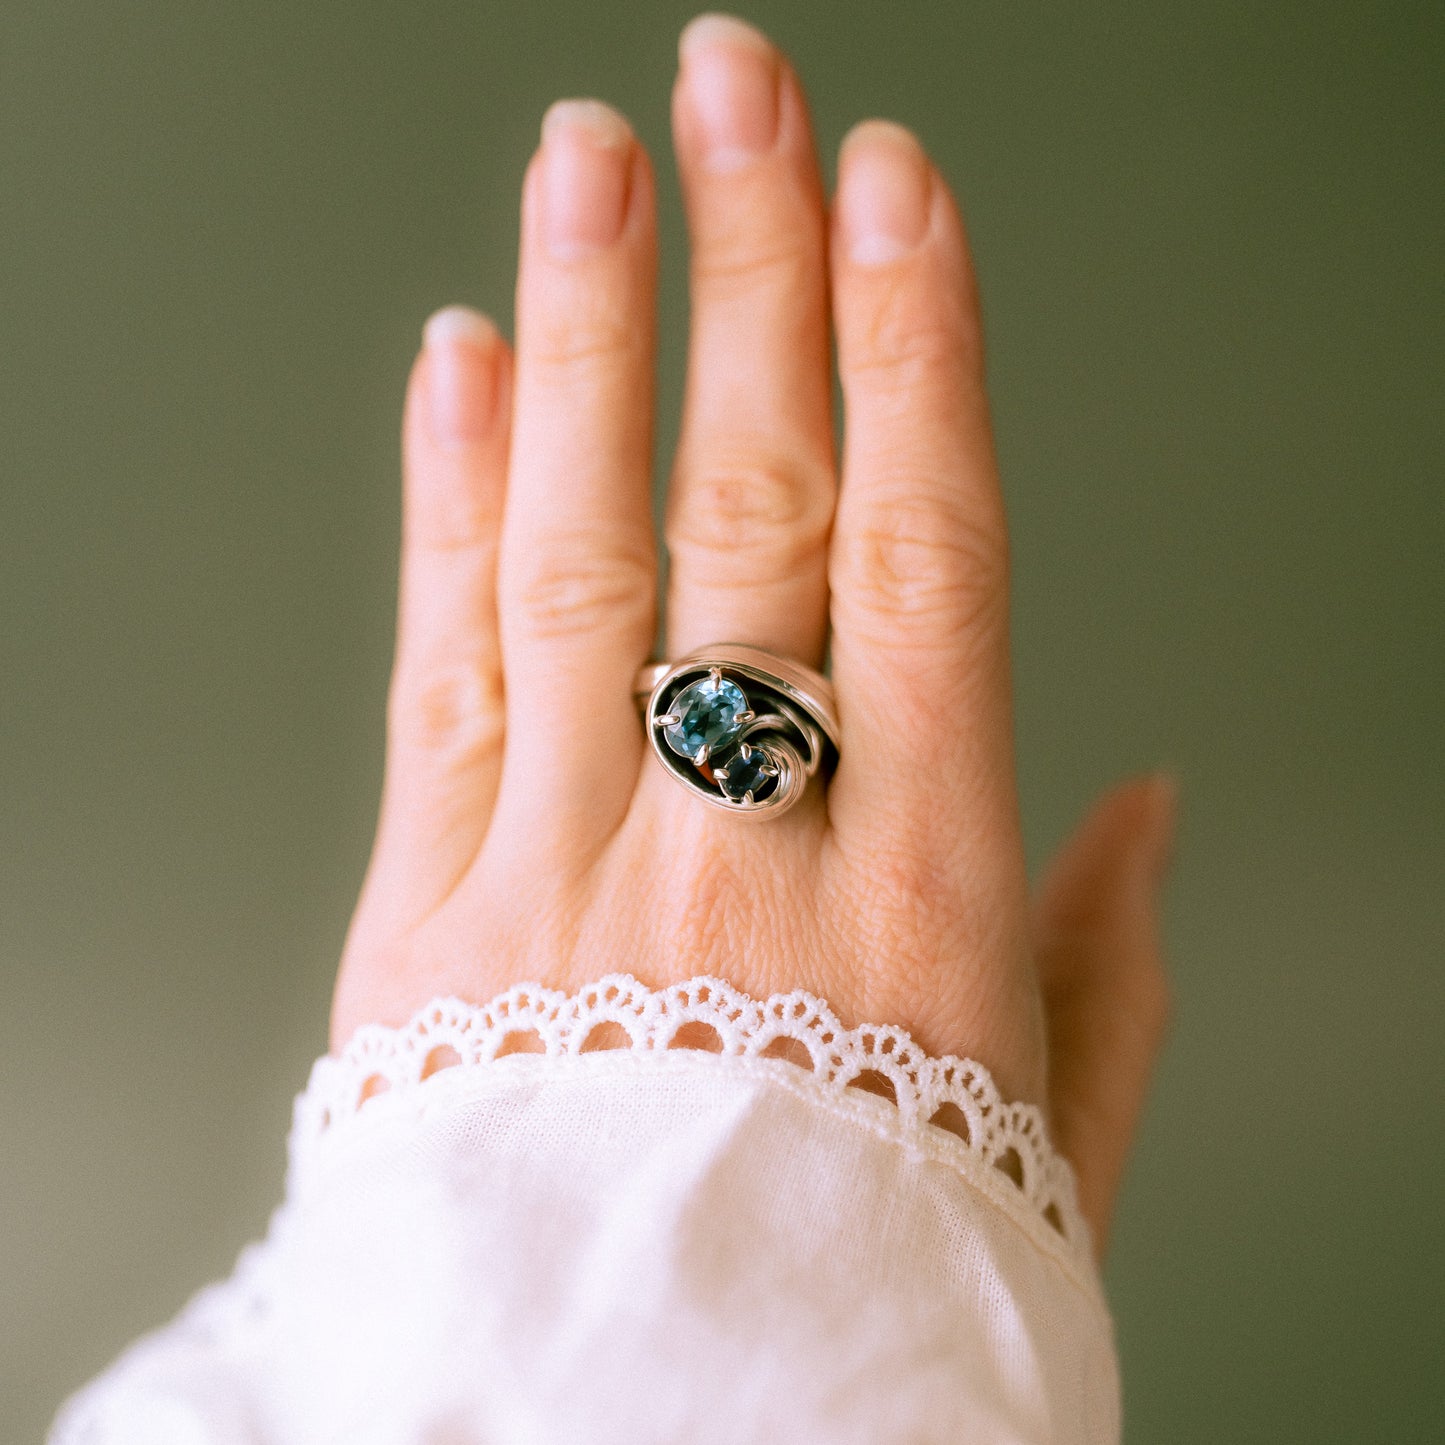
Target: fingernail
[(461, 378), (883, 194), (731, 73), (586, 164)]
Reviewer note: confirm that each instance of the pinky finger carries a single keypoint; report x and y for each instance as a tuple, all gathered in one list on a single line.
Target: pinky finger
[(1106, 998), (444, 708)]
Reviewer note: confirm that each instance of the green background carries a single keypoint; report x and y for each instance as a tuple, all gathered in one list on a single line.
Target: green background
[(1208, 236)]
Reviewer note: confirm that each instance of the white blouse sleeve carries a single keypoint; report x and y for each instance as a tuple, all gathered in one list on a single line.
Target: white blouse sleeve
[(641, 1216)]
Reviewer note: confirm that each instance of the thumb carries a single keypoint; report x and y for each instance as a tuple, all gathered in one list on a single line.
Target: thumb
[(1106, 997)]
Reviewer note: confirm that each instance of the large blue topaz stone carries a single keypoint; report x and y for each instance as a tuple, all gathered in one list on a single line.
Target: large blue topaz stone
[(710, 713)]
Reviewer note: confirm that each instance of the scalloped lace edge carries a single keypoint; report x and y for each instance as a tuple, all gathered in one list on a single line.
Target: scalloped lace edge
[(947, 1106), (947, 1109)]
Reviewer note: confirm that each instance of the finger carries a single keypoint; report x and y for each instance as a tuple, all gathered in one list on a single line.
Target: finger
[(577, 569), (919, 551), (1106, 997), (444, 705), (752, 490)]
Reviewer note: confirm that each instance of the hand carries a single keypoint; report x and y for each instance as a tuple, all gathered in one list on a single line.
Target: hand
[(527, 834)]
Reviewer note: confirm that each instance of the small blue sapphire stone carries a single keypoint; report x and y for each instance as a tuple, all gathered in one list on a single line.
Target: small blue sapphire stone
[(707, 716), (746, 775)]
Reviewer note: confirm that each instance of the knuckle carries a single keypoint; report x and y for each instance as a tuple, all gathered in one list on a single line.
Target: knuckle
[(567, 590), (587, 337), (911, 333), (912, 893), (917, 914), (453, 707), (700, 915), (738, 259), (923, 557), (723, 905), (463, 523), (760, 520)]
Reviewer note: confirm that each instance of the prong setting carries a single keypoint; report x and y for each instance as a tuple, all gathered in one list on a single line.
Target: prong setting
[(751, 751)]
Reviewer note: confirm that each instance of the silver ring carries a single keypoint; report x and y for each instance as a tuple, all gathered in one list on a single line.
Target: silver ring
[(742, 727)]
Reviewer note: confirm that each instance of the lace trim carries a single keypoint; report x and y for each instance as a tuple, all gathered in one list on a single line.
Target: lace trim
[(945, 1108), (948, 1106)]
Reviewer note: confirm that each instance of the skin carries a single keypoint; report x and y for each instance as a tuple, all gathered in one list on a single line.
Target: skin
[(525, 837)]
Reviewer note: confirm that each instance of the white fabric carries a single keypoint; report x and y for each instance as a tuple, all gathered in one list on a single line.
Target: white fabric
[(709, 1227)]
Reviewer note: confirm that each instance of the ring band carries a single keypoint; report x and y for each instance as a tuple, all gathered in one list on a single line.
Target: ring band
[(742, 727)]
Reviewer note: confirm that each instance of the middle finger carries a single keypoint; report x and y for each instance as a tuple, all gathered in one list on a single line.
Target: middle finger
[(753, 486)]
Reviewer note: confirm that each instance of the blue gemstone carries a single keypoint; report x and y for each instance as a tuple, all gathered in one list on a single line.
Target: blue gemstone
[(754, 773), (707, 716)]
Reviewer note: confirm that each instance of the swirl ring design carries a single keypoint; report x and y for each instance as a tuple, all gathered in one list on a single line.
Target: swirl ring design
[(739, 726)]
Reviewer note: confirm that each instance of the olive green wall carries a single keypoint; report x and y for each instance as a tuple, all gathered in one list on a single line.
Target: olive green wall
[(1208, 235)]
